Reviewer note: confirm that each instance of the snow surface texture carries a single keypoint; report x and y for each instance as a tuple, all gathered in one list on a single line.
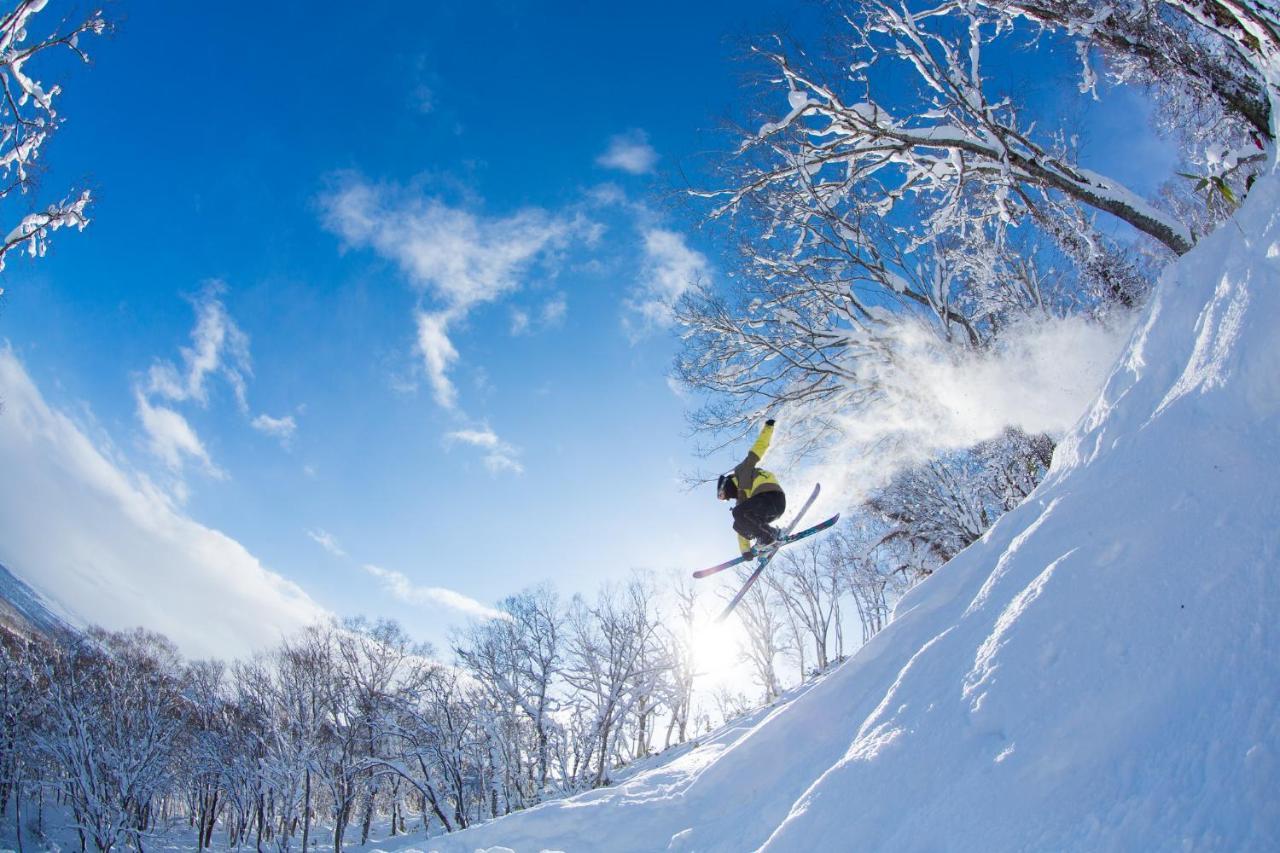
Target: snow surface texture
[(1100, 672)]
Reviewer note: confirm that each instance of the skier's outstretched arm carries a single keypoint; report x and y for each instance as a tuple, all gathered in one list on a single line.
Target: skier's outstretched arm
[(746, 470)]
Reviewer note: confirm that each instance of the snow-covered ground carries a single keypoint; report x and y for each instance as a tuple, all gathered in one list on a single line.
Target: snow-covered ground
[(1100, 672)]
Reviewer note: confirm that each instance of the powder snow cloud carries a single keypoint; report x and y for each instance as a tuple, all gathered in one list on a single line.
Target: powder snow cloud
[(931, 399)]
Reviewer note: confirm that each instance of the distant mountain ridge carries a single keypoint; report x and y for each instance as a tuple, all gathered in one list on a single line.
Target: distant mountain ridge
[(25, 611)]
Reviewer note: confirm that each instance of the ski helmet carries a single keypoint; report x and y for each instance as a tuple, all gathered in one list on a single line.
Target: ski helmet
[(726, 488)]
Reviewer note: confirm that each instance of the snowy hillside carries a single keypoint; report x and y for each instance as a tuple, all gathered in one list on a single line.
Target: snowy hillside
[(1098, 673), (25, 611)]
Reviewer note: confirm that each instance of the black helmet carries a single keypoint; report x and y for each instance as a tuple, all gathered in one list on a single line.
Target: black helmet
[(726, 487)]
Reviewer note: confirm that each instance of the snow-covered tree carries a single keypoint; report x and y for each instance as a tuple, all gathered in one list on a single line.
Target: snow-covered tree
[(678, 647), (111, 726), (948, 502), (21, 699), (764, 618), (809, 587), (518, 660), (613, 663), (28, 119)]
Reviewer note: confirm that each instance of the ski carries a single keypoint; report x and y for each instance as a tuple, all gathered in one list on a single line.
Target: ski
[(764, 559), (783, 540), (727, 564)]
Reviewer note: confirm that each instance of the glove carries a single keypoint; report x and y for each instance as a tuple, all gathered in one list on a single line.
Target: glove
[(769, 422)]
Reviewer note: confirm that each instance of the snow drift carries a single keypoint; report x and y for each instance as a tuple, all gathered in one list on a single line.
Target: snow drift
[(1100, 672)]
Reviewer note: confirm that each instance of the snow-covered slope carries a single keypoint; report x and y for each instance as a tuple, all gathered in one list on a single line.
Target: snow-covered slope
[(1100, 672), (25, 611)]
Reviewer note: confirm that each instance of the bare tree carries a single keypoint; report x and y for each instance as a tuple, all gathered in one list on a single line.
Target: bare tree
[(934, 200), (875, 567), (612, 666), (519, 659), (809, 586), (678, 642), (762, 615)]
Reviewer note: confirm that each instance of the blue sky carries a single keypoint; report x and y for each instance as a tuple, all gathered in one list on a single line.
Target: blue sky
[(320, 186), (435, 241)]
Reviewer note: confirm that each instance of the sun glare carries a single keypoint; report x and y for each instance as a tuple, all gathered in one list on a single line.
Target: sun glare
[(716, 645)]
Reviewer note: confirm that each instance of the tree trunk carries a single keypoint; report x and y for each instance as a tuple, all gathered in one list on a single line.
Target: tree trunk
[(368, 817), (17, 813), (306, 812), (259, 816)]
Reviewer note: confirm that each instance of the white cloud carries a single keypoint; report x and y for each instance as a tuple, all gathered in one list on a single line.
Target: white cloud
[(630, 152), (171, 438), (218, 347), (110, 547), (438, 355), (549, 315), (281, 428), (670, 269), (499, 456), (326, 541), (554, 311), (405, 590), (461, 258)]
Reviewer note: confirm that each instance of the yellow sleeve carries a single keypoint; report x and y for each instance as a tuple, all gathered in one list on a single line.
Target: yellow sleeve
[(762, 443), (744, 544)]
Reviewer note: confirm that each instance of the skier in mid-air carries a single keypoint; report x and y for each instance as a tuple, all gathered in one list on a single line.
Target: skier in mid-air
[(758, 499)]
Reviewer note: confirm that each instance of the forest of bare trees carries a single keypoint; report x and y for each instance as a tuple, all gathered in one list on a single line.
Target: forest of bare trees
[(352, 727)]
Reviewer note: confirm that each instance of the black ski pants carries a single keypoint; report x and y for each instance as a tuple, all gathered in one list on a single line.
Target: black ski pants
[(751, 517)]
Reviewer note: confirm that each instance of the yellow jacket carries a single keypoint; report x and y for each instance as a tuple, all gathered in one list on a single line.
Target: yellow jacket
[(751, 480)]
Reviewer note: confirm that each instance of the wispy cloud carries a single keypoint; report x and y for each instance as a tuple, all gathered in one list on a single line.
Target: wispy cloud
[(519, 322), (438, 355), (553, 312), (110, 546), (550, 315), (405, 590), (326, 541), (670, 269), (218, 348), (629, 152), (460, 259), (171, 438), (280, 428), (499, 456)]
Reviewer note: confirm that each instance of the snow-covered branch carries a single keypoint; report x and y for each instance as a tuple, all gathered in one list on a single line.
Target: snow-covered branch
[(28, 118)]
